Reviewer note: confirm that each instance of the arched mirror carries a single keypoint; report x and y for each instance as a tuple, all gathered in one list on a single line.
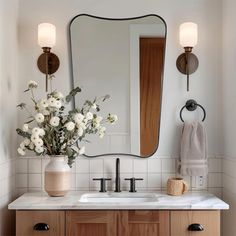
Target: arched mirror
[(123, 58)]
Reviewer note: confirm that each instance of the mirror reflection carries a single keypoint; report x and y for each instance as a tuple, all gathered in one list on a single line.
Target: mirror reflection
[(123, 58)]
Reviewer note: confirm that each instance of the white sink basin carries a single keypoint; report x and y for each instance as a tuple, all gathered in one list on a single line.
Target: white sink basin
[(118, 198)]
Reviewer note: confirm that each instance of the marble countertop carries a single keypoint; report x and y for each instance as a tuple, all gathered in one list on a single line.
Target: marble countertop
[(72, 201)]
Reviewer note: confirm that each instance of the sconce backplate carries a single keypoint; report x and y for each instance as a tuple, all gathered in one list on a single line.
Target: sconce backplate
[(181, 63), (53, 63)]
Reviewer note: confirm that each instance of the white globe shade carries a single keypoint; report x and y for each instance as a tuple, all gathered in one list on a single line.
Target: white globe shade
[(46, 35), (188, 34)]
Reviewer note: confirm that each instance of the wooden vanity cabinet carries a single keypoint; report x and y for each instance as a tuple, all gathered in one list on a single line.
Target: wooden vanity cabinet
[(26, 221), (91, 223), (117, 223), (143, 223), (182, 220)]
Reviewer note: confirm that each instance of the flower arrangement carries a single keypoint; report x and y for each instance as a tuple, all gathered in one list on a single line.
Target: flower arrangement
[(52, 131)]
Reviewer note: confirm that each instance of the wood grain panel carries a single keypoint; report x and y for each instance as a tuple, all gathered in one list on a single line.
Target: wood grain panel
[(25, 221), (180, 220), (91, 223), (143, 223), (151, 70)]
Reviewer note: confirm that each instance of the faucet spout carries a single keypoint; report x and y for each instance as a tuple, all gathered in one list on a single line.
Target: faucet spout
[(117, 180)]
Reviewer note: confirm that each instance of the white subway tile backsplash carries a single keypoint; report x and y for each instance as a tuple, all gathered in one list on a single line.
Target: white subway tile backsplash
[(21, 165), (96, 166), (73, 181), (35, 181), (82, 181), (214, 180), (155, 171), (140, 166), (168, 166), (110, 165), (154, 165), (82, 165), (215, 165), (154, 181), (126, 166), (35, 166), (22, 180)]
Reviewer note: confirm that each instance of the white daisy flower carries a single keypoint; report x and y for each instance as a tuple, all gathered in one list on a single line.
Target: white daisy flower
[(39, 118), (101, 131), (54, 121), (31, 146), (98, 119), (32, 84), (25, 128), (42, 132), (89, 116), (22, 145), (43, 103), (39, 149), (52, 102), (36, 130), (80, 131), (70, 125), (21, 151), (58, 104), (78, 118), (27, 142), (38, 142), (94, 106), (112, 118), (34, 137)]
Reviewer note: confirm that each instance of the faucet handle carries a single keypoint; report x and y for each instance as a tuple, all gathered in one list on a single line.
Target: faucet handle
[(132, 184), (102, 184)]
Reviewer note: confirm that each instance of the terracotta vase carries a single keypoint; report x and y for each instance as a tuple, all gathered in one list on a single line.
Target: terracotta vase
[(57, 177)]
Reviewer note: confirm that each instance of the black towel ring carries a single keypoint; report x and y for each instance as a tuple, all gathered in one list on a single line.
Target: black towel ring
[(191, 105)]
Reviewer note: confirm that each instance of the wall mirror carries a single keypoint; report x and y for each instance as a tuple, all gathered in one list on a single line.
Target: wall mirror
[(123, 58)]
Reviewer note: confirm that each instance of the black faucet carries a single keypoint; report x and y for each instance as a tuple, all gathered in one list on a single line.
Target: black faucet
[(117, 180)]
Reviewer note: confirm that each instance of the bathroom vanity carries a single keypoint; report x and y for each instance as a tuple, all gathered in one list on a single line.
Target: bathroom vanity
[(111, 214)]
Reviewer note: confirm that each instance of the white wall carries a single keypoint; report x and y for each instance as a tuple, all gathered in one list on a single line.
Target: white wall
[(205, 83), (229, 115), (8, 101)]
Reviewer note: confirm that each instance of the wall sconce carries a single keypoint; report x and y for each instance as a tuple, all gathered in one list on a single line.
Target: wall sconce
[(48, 63), (187, 62)]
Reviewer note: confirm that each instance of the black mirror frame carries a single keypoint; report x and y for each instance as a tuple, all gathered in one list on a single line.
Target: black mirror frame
[(72, 75)]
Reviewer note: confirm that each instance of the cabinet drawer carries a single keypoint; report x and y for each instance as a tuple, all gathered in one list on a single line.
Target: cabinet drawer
[(181, 220), (35, 223)]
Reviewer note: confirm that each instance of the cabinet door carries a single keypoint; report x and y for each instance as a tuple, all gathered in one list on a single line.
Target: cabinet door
[(36, 223), (180, 221), (91, 223), (143, 223)]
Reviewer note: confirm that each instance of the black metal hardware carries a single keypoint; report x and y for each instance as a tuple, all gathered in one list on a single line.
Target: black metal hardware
[(103, 184), (187, 63), (117, 180), (41, 227), (195, 227), (132, 184), (191, 105)]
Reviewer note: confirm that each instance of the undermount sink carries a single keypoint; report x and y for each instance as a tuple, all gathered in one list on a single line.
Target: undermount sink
[(118, 198)]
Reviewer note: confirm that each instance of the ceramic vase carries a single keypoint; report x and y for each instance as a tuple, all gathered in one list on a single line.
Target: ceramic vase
[(57, 177)]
